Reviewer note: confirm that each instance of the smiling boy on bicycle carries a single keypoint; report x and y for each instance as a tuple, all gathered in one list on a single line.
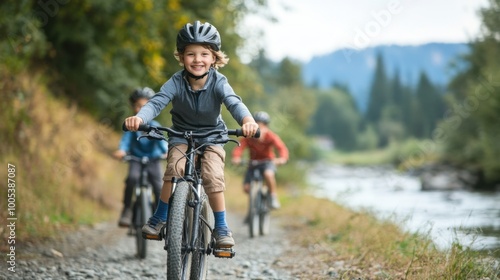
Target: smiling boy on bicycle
[(262, 150), (140, 148), (196, 93)]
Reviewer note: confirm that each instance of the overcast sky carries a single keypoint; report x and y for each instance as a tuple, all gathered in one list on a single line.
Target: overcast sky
[(306, 28)]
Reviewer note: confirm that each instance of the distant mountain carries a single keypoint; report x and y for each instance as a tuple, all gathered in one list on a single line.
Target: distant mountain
[(354, 68)]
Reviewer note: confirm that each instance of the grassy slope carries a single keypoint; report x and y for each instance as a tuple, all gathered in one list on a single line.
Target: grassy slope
[(64, 173)]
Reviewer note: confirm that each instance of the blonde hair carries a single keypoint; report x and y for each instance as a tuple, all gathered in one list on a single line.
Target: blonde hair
[(221, 58)]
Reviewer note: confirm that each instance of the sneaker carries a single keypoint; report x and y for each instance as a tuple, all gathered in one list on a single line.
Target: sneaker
[(125, 218), (152, 229), (223, 237), (275, 203)]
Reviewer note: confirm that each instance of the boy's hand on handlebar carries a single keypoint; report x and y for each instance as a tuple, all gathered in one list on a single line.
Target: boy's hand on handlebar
[(249, 129), (132, 123)]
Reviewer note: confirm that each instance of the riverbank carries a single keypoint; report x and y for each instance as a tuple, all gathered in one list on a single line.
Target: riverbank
[(347, 244), (421, 157)]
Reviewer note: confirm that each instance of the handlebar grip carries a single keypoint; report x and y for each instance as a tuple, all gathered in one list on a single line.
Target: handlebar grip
[(239, 132), (142, 127), (124, 128)]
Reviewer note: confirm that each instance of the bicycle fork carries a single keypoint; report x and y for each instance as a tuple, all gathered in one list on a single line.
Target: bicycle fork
[(194, 203)]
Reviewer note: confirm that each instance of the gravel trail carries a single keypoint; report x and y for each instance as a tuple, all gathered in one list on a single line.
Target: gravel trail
[(107, 252)]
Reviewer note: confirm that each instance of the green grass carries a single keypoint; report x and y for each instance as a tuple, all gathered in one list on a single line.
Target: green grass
[(377, 249), (409, 154), (65, 175)]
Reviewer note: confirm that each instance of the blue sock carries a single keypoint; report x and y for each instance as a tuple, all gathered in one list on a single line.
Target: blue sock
[(161, 212), (220, 219)]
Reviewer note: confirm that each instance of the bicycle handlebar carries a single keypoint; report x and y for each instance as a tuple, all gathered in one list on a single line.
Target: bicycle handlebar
[(147, 128), (141, 159)]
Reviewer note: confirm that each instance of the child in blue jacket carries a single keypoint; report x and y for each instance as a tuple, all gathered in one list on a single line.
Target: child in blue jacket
[(129, 145)]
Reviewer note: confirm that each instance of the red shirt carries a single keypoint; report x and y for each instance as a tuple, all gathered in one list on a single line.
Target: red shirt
[(262, 148)]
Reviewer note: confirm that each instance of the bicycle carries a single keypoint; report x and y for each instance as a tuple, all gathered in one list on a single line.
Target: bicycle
[(188, 233), (142, 203), (259, 201)]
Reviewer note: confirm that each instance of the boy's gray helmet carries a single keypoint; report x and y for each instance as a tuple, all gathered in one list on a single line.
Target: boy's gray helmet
[(141, 93), (198, 33), (262, 117)]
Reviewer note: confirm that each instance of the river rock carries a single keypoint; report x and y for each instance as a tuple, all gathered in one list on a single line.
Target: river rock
[(445, 178)]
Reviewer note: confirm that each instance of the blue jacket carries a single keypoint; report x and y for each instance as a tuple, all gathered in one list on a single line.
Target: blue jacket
[(143, 147)]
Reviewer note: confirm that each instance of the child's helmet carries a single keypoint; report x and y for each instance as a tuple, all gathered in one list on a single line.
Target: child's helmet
[(198, 33), (262, 117), (141, 93)]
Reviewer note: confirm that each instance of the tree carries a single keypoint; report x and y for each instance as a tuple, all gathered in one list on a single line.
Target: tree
[(337, 118), (289, 73), (430, 106), (379, 92), (96, 52), (470, 132)]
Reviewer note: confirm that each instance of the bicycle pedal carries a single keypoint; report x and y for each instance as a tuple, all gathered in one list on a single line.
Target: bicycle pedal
[(224, 252), (151, 237)]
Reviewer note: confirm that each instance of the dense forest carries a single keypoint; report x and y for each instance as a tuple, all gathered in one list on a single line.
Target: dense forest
[(93, 53)]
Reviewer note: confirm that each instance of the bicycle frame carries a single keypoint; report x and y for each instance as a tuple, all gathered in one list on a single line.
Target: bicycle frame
[(142, 203), (192, 175), (144, 184)]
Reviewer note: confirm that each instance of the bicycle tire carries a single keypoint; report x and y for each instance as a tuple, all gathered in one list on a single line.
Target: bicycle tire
[(253, 209), (199, 264), (143, 212), (178, 233), (264, 213)]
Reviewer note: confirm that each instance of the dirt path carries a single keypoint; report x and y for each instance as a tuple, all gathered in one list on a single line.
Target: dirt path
[(106, 252)]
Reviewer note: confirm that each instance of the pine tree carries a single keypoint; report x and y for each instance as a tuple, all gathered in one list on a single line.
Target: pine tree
[(379, 92)]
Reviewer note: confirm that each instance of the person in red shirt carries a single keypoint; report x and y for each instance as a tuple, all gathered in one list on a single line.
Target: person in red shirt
[(262, 150)]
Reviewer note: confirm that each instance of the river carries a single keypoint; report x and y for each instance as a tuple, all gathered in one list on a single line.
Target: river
[(471, 218)]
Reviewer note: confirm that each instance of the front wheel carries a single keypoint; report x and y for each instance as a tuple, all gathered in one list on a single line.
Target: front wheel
[(264, 213), (253, 208), (142, 213), (199, 265), (178, 235)]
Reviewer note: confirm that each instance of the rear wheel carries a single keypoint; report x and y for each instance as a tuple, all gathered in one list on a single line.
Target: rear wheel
[(142, 213), (178, 260), (199, 265)]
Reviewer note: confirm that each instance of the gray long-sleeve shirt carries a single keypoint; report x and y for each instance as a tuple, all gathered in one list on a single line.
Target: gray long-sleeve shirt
[(196, 110)]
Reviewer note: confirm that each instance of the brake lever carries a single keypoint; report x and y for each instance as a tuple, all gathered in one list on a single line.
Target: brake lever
[(226, 141), (153, 135), (234, 141)]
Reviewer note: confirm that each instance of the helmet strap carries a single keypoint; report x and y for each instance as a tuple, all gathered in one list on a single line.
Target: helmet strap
[(196, 77)]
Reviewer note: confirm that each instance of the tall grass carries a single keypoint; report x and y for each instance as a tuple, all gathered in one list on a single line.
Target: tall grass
[(411, 153), (64, 174), (376, 249)]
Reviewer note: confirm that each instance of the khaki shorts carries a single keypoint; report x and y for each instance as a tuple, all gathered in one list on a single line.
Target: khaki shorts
[(212, 166)]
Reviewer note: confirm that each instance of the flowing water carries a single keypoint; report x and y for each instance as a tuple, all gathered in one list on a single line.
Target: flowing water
[(472, 218)]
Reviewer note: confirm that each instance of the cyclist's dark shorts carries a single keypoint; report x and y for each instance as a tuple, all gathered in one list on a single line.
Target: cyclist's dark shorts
[(268, 165)]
